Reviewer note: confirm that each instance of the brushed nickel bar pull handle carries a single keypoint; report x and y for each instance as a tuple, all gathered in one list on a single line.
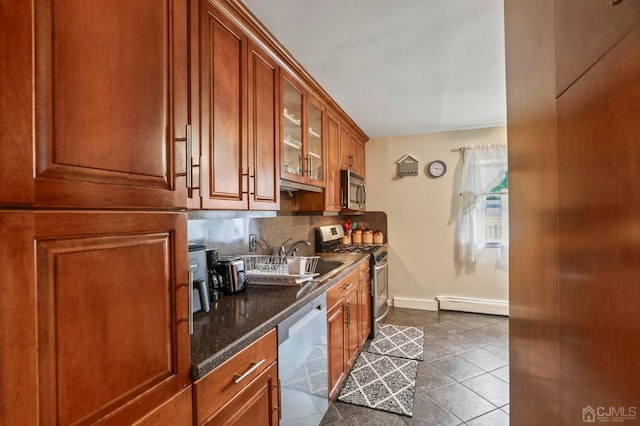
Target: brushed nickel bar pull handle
[(347, 287), (279, 406), (254, 366), (190, 303), (189, 163), (348, 314)]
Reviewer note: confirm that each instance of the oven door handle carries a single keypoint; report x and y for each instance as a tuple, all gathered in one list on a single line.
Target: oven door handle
[(380, 267)]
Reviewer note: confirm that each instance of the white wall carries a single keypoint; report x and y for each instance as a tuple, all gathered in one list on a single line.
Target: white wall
[(421, 240)]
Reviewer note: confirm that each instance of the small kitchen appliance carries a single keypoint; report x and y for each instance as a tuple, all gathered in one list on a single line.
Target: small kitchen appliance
[(232, 271), (215, 279), (200, 278), (354, 191)]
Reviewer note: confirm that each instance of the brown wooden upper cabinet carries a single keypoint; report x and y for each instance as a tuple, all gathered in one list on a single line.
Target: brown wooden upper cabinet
[(333, 201), (96, 113), (351, 151), (586, 30), (302, 134), (238, 93)]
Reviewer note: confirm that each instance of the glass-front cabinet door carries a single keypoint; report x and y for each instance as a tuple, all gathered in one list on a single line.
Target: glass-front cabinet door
[(302, 134), (292, 158), (314, 141)]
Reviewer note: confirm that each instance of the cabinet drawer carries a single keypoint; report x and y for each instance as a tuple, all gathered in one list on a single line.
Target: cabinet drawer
[(219, 386), (342, 288)]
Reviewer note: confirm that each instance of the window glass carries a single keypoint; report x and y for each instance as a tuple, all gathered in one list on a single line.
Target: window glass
[(495, 219)]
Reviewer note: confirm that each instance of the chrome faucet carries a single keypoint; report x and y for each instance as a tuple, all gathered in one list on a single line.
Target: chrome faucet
[(293, 248)]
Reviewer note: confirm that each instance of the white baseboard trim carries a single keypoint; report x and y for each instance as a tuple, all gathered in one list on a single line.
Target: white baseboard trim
[(480, 306), (424, 304)]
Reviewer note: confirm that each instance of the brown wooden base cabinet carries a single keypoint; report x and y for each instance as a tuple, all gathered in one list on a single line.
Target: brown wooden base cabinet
[(244, 389), (346, 328)]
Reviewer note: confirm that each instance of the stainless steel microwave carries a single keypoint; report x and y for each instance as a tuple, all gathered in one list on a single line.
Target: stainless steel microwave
[(354, 191)]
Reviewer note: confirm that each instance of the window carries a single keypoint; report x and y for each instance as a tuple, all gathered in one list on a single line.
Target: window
[(483, 208), (496, 217)]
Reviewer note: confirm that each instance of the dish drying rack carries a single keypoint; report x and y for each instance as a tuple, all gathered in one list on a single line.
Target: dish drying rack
[(278, 270)]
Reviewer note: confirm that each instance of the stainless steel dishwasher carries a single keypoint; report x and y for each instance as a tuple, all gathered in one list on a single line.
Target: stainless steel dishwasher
[(302, 364)]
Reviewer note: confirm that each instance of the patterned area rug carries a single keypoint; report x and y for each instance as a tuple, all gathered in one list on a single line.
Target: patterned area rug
[(381, 382), (399, 341)]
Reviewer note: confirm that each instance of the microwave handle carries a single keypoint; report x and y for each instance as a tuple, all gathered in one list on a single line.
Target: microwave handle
[(364, 192)]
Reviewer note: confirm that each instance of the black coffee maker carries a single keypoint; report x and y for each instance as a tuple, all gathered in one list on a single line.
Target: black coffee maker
[(215, 279)]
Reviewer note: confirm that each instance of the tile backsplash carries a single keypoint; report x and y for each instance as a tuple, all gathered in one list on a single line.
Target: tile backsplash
[(230, 235)]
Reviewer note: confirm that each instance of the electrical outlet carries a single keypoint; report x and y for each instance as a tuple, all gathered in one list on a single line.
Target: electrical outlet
[(253, 242)]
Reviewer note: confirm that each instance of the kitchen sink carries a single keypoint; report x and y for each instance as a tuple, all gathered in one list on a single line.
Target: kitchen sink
[(326, 266)]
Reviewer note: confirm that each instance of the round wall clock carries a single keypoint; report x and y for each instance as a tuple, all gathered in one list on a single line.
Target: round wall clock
[(437, 168)]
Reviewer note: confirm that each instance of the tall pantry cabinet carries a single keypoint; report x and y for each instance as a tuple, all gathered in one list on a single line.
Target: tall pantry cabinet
[(93, 252), (573, 102)]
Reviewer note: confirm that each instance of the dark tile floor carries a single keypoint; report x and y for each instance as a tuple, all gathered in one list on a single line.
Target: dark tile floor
[(463, 380)]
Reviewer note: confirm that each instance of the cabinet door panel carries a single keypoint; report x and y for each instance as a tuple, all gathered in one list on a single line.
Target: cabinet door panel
[(223, 111), (598, 130), (98, 130), (264, 150), (346, 154), (352, 334), (358, 156), (364, 308), (107, 304), (336, 339), (333, 195), (585, 31)]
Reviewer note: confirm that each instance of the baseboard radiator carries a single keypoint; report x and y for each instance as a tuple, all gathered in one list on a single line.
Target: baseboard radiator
[(480, 306)]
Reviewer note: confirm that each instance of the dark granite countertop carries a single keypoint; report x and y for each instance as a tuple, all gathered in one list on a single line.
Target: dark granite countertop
[(237, 320)]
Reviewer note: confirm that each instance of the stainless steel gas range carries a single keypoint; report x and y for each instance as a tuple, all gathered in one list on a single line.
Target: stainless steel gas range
[(329, 240)]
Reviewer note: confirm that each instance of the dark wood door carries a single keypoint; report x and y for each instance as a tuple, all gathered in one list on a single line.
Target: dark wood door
[(336, 335), (333, 196), (255, 405), (93, 306), (96, 100), (585, 31), (264, 145), (598, 158), (223, 111)]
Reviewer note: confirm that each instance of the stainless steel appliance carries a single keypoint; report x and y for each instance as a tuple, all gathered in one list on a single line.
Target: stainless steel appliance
[(303, 365), (231, 269), (354, 191), (328, 240), (215, 279), (199, 278)]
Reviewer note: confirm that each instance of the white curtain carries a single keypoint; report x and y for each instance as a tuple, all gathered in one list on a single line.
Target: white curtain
[(483, 168)]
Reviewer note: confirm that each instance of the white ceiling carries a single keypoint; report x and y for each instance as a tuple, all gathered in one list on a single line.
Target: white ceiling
[(399, 67)]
